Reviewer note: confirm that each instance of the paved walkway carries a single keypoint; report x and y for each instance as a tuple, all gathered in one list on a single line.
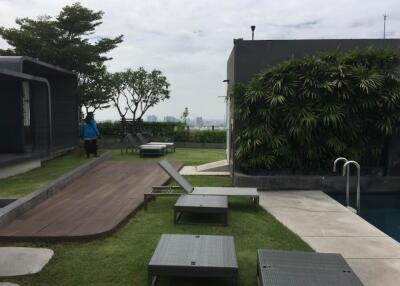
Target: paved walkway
[(217, 168), (92, 206), (328, 227), (16, 261), (192, 171)]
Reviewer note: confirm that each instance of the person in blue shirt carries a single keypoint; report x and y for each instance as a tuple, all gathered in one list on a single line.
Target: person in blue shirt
[(90, 133)]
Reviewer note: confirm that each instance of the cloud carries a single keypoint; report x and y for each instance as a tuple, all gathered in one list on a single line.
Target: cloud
[(190, 40), (301, 25)]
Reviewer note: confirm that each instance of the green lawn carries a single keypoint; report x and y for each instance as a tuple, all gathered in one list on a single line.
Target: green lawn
[(187, 156), (23, 184), (121, 259)]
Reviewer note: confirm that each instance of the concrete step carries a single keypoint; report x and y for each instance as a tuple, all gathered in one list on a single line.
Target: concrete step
[(221, 165)]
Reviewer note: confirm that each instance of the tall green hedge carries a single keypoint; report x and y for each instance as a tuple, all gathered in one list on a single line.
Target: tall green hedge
[(302, 113), (174, 131), (157, 129)]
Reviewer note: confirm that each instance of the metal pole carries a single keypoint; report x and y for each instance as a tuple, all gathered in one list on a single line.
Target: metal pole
[(384, 26), (346, 165), (348, 186), (358, 189), (345, 169)]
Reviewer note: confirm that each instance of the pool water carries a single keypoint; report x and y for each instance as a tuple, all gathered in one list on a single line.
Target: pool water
[(381, 210)]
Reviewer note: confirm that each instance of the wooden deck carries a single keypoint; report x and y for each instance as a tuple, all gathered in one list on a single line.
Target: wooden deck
[(90, 207)]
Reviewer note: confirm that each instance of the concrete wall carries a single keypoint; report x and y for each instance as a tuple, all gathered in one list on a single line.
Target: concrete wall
[(325, 183)]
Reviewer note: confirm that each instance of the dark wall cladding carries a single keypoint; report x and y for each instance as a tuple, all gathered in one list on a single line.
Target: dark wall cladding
[(54, 120), (64, 112), (253, 56), (11, 131), (40, 116), (64, 103)]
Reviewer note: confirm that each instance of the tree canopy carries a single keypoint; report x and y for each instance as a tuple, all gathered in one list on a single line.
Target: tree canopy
[(135, 91), (66, 40)]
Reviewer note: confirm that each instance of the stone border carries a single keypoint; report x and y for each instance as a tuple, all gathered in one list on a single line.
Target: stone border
[(200, 145), (24, 204), (117, 145), (324, 183)]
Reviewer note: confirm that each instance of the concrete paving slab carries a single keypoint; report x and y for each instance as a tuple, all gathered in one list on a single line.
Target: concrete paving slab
[(356, 247), (373, 272), (16, 261), (318, 223), (8, 284), (214, 166), (192, 171), (305, 200)]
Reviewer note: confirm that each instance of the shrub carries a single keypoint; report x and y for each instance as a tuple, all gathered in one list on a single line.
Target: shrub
[(302, 113), (174, 131), (201, 136)]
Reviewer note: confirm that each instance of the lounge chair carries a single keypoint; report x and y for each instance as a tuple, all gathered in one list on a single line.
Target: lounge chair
[(129, 142), (170, 146), (210, 191), (277, 267)]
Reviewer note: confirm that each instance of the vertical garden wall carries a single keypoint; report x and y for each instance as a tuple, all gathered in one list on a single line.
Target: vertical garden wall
[(302, 113)]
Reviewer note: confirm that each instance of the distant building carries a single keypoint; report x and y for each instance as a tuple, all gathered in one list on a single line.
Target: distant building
[(152, 118), (171, 119), (199, 122)]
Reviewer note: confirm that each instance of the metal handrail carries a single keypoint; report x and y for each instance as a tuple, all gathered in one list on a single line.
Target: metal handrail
[(346, 168), (348, 178)]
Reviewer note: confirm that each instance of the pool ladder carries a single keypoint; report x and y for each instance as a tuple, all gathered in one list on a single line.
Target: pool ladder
[(346, 171)]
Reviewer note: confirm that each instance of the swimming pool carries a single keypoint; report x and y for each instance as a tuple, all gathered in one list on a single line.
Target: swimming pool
[(381, 210)]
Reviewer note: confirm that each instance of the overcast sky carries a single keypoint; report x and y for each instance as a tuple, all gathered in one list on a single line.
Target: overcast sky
[(190, 40)]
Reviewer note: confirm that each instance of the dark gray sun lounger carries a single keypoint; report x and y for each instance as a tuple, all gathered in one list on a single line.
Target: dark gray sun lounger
[(211, 191), (296, 268), (179, 255), (142, 149), (201, 204), (170, 146)]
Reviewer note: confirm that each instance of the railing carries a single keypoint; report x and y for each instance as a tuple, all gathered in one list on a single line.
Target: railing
[(348, 178), (346, 170)]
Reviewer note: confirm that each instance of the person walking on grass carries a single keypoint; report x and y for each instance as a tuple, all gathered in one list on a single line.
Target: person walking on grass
[(90, 133)]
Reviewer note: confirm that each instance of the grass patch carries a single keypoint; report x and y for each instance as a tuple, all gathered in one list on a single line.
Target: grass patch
[(122, 258), (20, 185), (187, 156)]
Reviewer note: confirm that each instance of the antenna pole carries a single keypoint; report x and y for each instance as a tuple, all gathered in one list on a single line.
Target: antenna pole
[(252, 32), (384, 25)]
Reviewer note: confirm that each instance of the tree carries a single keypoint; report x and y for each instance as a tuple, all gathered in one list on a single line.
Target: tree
[(97, 90), (134, 92), (66, 41)]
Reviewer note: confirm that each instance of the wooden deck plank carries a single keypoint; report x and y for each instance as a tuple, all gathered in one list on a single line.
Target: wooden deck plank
[(91, 206)]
